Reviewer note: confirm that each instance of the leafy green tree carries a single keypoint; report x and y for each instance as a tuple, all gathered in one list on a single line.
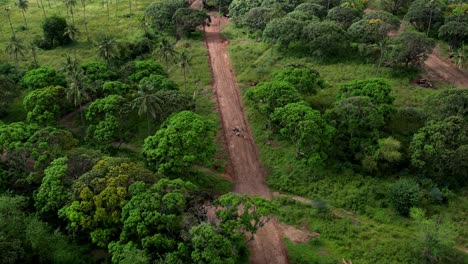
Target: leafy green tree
[(369, 31), (438, 151), (344, 16), (455, 33), (45, 105), (357, 122), (166, 50), (451, 102), (283, 31), (157, 83), (15, 48), (52, 194), (257, 18), (425, 15), (238, 9), (115, 87), (184, 62), (184, 139), (395, 6), (306, 129), (301, 16), (409, 48), (8, 91), (387, 154), (42, 77), (187, 20), (304, 79), (106, 117), (97, 72), (128, 253), (145, 69), (328, 4), (149, 102), (54, 31), (106, 48), (404, 194), (386, 17), (23, 5), (98, 197), (159, 15), (312, 9), (325, 38)]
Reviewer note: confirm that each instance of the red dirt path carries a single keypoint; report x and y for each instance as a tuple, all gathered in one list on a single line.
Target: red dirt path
[(249, 177)]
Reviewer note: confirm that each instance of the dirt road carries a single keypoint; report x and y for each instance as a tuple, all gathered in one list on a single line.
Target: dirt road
[(249, 177), (440, 69)]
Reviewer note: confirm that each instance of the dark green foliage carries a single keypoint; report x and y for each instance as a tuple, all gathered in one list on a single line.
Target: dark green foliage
[(451, 102), (99, 196), (455, 33), (238, 9), (45, 105), (54, 29), (42, 77), (188, 19), (404, 194), (268, 96), (8, 92), (304, 79), (377, 89), (306, 129), (344, 16), (395, 6), (145, 69), (386, 17), (128, 253), (439, 150), (461, 18), (301, 16), (115, 87), (159, 14), (11, 72), (357, 122), (369, 31), (328, 4), (157, 83), (409, 48), (283, 31), (183, 140), (257, 18), (312, 9), (425, 15), (325, 38)]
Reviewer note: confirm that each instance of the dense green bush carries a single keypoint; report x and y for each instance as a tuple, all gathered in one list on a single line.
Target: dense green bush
[(8, 91), (54, 29), (45, 105), (405, 194), (325, 38), (409, 49), (386, 17), (159, 14), (42, 77), (426, 15), (344, 16), (145, 69), (304, 79), (257, 18), (283, 31), (312, 9), (455, 33)]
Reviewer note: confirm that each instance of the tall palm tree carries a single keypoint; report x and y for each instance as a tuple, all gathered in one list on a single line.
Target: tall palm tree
[(15, 48), (166, 50), (72, 32), (69, 4), (107, 48), (184, 62), (8, 11), (33, 47), (149, 102), (23, 5), (83, 3)]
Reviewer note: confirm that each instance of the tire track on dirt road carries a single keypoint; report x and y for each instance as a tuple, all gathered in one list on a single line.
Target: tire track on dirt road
[(249, 177)]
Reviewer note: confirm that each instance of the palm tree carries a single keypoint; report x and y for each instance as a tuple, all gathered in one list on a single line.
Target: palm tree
[(33, 47), (107, 48), (149, 102), (15, 48), (8, 11), (83, 3), (166, 50), (23, 5), (184, 60), (69, 4), (72, 32)]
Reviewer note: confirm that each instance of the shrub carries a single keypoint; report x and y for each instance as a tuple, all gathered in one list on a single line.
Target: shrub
[(42, 77), (54, 29), (404, 194)]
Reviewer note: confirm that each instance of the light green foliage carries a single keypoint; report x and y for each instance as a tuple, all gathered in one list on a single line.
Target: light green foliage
[(425, 15), (159, 14), (312, 9), (157, 83), (184, 139), (8, 91), (14, 134), (439, 150), (344, 16), (325, 38), (188, 19), (240, 214), (455, 33), (304, 79), (42, 77), (52, 194), (211, 247), (388, 153), (268, 96), (257, 18), (306, 129), (115, 87), (409, 48), (128, 253), (145, 69), (106, 118), (405, 194), (238, 9), (99, 196), (97, 72), (357, 122), (283, 31), (45, 105), (386, 17), (436, 236)]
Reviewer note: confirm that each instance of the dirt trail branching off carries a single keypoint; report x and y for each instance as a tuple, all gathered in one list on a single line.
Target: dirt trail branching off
[(442, 70), (249, 177)]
